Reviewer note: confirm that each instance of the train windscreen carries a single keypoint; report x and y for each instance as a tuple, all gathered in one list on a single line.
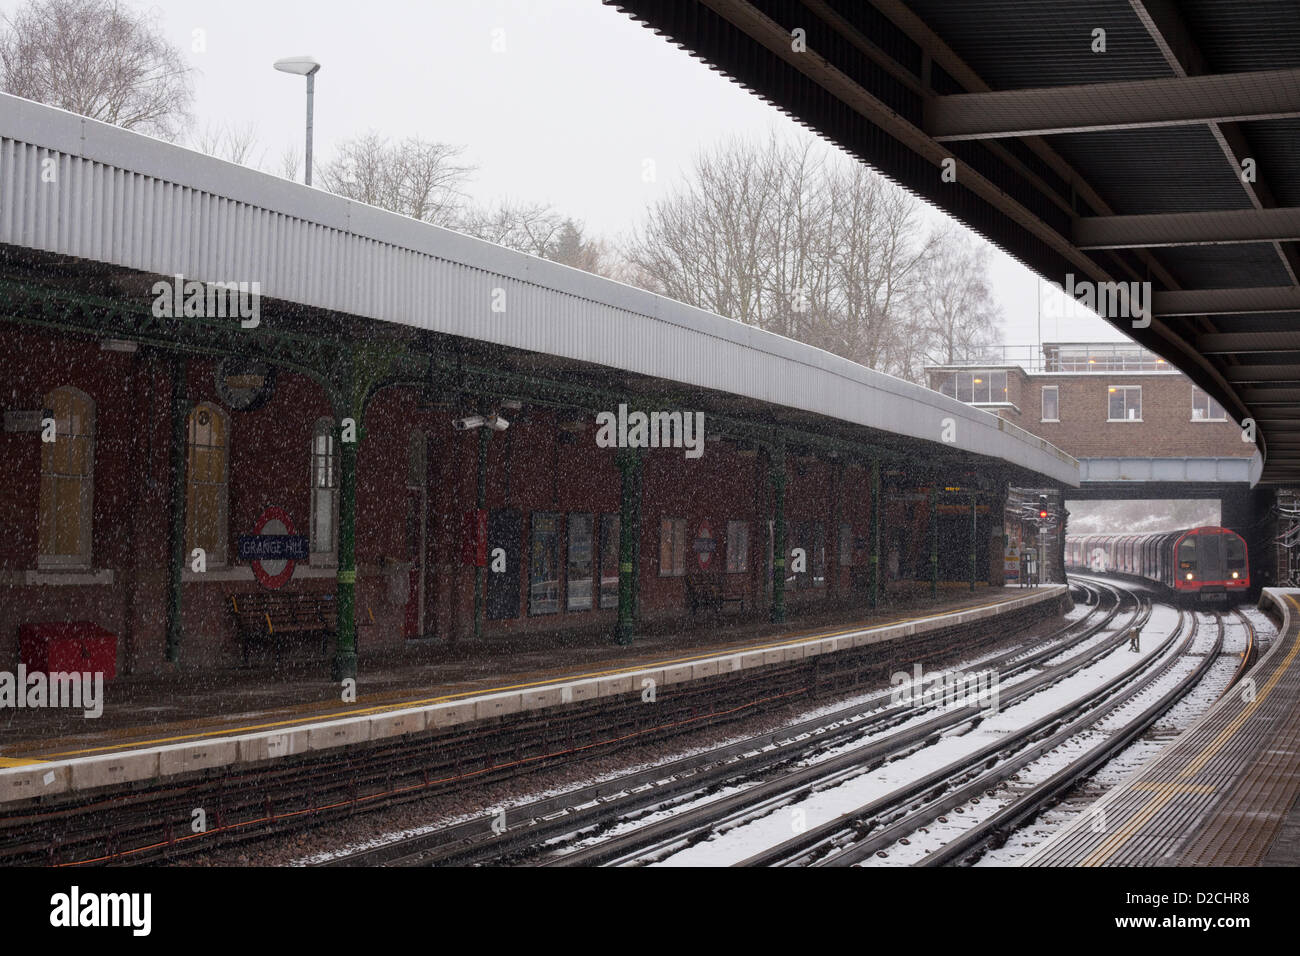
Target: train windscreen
[(1209, 548), (1235, 555)]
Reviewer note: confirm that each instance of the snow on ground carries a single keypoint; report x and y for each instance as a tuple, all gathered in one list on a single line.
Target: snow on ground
[(742, 841), (1133, 758), (821, 710)]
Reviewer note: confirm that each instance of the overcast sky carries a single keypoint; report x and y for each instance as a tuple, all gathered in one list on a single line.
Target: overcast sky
[(567, 114)]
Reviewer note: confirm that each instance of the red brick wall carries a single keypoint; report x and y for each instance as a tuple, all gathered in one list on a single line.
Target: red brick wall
[(1166, 430), (534, 466)]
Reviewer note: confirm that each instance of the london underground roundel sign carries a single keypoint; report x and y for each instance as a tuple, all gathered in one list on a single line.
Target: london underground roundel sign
[(274, 548)]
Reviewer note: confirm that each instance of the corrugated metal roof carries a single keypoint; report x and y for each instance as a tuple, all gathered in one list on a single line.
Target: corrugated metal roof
[(1043, 182), (139, 203)]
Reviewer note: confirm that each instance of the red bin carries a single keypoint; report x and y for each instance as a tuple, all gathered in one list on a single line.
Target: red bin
[(68, 647)]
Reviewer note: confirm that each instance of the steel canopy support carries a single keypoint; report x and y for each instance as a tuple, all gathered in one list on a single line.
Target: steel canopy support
[(480, 502), (934, 541), (874, 586), (360, 369), (176, 507), (629, 466), (776, 479), (974, 539)]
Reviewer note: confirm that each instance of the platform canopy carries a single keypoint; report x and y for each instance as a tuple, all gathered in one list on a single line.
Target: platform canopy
[(92, 216), (1109, 140)]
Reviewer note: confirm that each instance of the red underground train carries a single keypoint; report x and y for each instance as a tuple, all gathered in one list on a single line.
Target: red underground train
[(1200, 564)]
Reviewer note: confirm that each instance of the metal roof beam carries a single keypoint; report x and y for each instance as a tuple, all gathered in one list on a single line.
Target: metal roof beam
[(1245, 343), (1213, 227), (1132, 104), (1166, 26), (1226, 301), (1264, 373), (1284, 398)]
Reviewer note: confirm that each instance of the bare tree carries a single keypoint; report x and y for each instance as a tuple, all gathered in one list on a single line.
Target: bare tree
[(415, 177), (233, 143), (533, 228), (956, 306), (539, 230), (98, 59), (290, 165), (800, 241)]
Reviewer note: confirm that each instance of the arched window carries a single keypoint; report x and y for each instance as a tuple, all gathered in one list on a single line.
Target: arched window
[(67, 481), (207, 487), (324, 494)]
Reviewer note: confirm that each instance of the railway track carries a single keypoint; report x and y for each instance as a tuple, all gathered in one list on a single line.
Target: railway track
[(143, 824), (995, 829), (762, 765)]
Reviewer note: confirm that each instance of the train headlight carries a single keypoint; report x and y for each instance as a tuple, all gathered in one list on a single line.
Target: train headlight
[(1235, 575), (1189, 575)]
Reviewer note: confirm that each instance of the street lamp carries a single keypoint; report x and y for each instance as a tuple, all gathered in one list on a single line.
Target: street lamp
[(303, 66)]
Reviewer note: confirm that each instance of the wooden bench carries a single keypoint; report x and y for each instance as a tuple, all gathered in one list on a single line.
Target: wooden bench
[(276, 617), (711, 592)]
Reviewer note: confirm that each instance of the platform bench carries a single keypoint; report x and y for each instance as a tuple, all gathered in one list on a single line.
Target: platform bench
[(276, 617), (711, 592)]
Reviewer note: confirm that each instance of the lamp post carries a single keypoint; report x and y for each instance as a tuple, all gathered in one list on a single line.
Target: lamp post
[(303, 66)]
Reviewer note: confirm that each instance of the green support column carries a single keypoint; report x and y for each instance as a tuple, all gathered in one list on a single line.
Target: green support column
[(974, 539), (638, 481), (629, 467), (874, 585), (484, 435), (176, 507), (934, 541), (776, 477), (345, 654)]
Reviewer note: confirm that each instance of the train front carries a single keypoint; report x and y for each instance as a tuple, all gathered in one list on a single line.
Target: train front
[(1212, 564)]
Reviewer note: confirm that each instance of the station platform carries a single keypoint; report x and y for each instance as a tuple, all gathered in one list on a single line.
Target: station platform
[(1224, 793), (154, 728)]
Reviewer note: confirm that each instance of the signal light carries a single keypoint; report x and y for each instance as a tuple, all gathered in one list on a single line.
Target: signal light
[(1042, 514)]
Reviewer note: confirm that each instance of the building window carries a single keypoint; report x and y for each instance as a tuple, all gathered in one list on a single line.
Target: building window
[(544, 564), (846, 546), (1124, 403), (1206, 409), (810, 537), (207, 484), (609, 560), (975, 387), (672, 547), (737, 547), (1051, 403), (324, 494), (579, 577), (67, 481)]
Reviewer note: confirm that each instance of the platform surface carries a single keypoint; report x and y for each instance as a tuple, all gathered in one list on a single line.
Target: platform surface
[(153, 729), (1224, 793)]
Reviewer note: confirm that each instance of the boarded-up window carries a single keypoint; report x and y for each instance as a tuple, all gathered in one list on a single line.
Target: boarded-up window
[(672, 547), (67, 481), (324, 494), (207, 491)]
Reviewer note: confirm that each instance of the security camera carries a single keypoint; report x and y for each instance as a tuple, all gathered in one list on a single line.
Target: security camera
[(468, 422), (497, 423)]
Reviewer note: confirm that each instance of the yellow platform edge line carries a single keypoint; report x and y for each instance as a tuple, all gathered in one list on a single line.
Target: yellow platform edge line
[(800, 638)]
